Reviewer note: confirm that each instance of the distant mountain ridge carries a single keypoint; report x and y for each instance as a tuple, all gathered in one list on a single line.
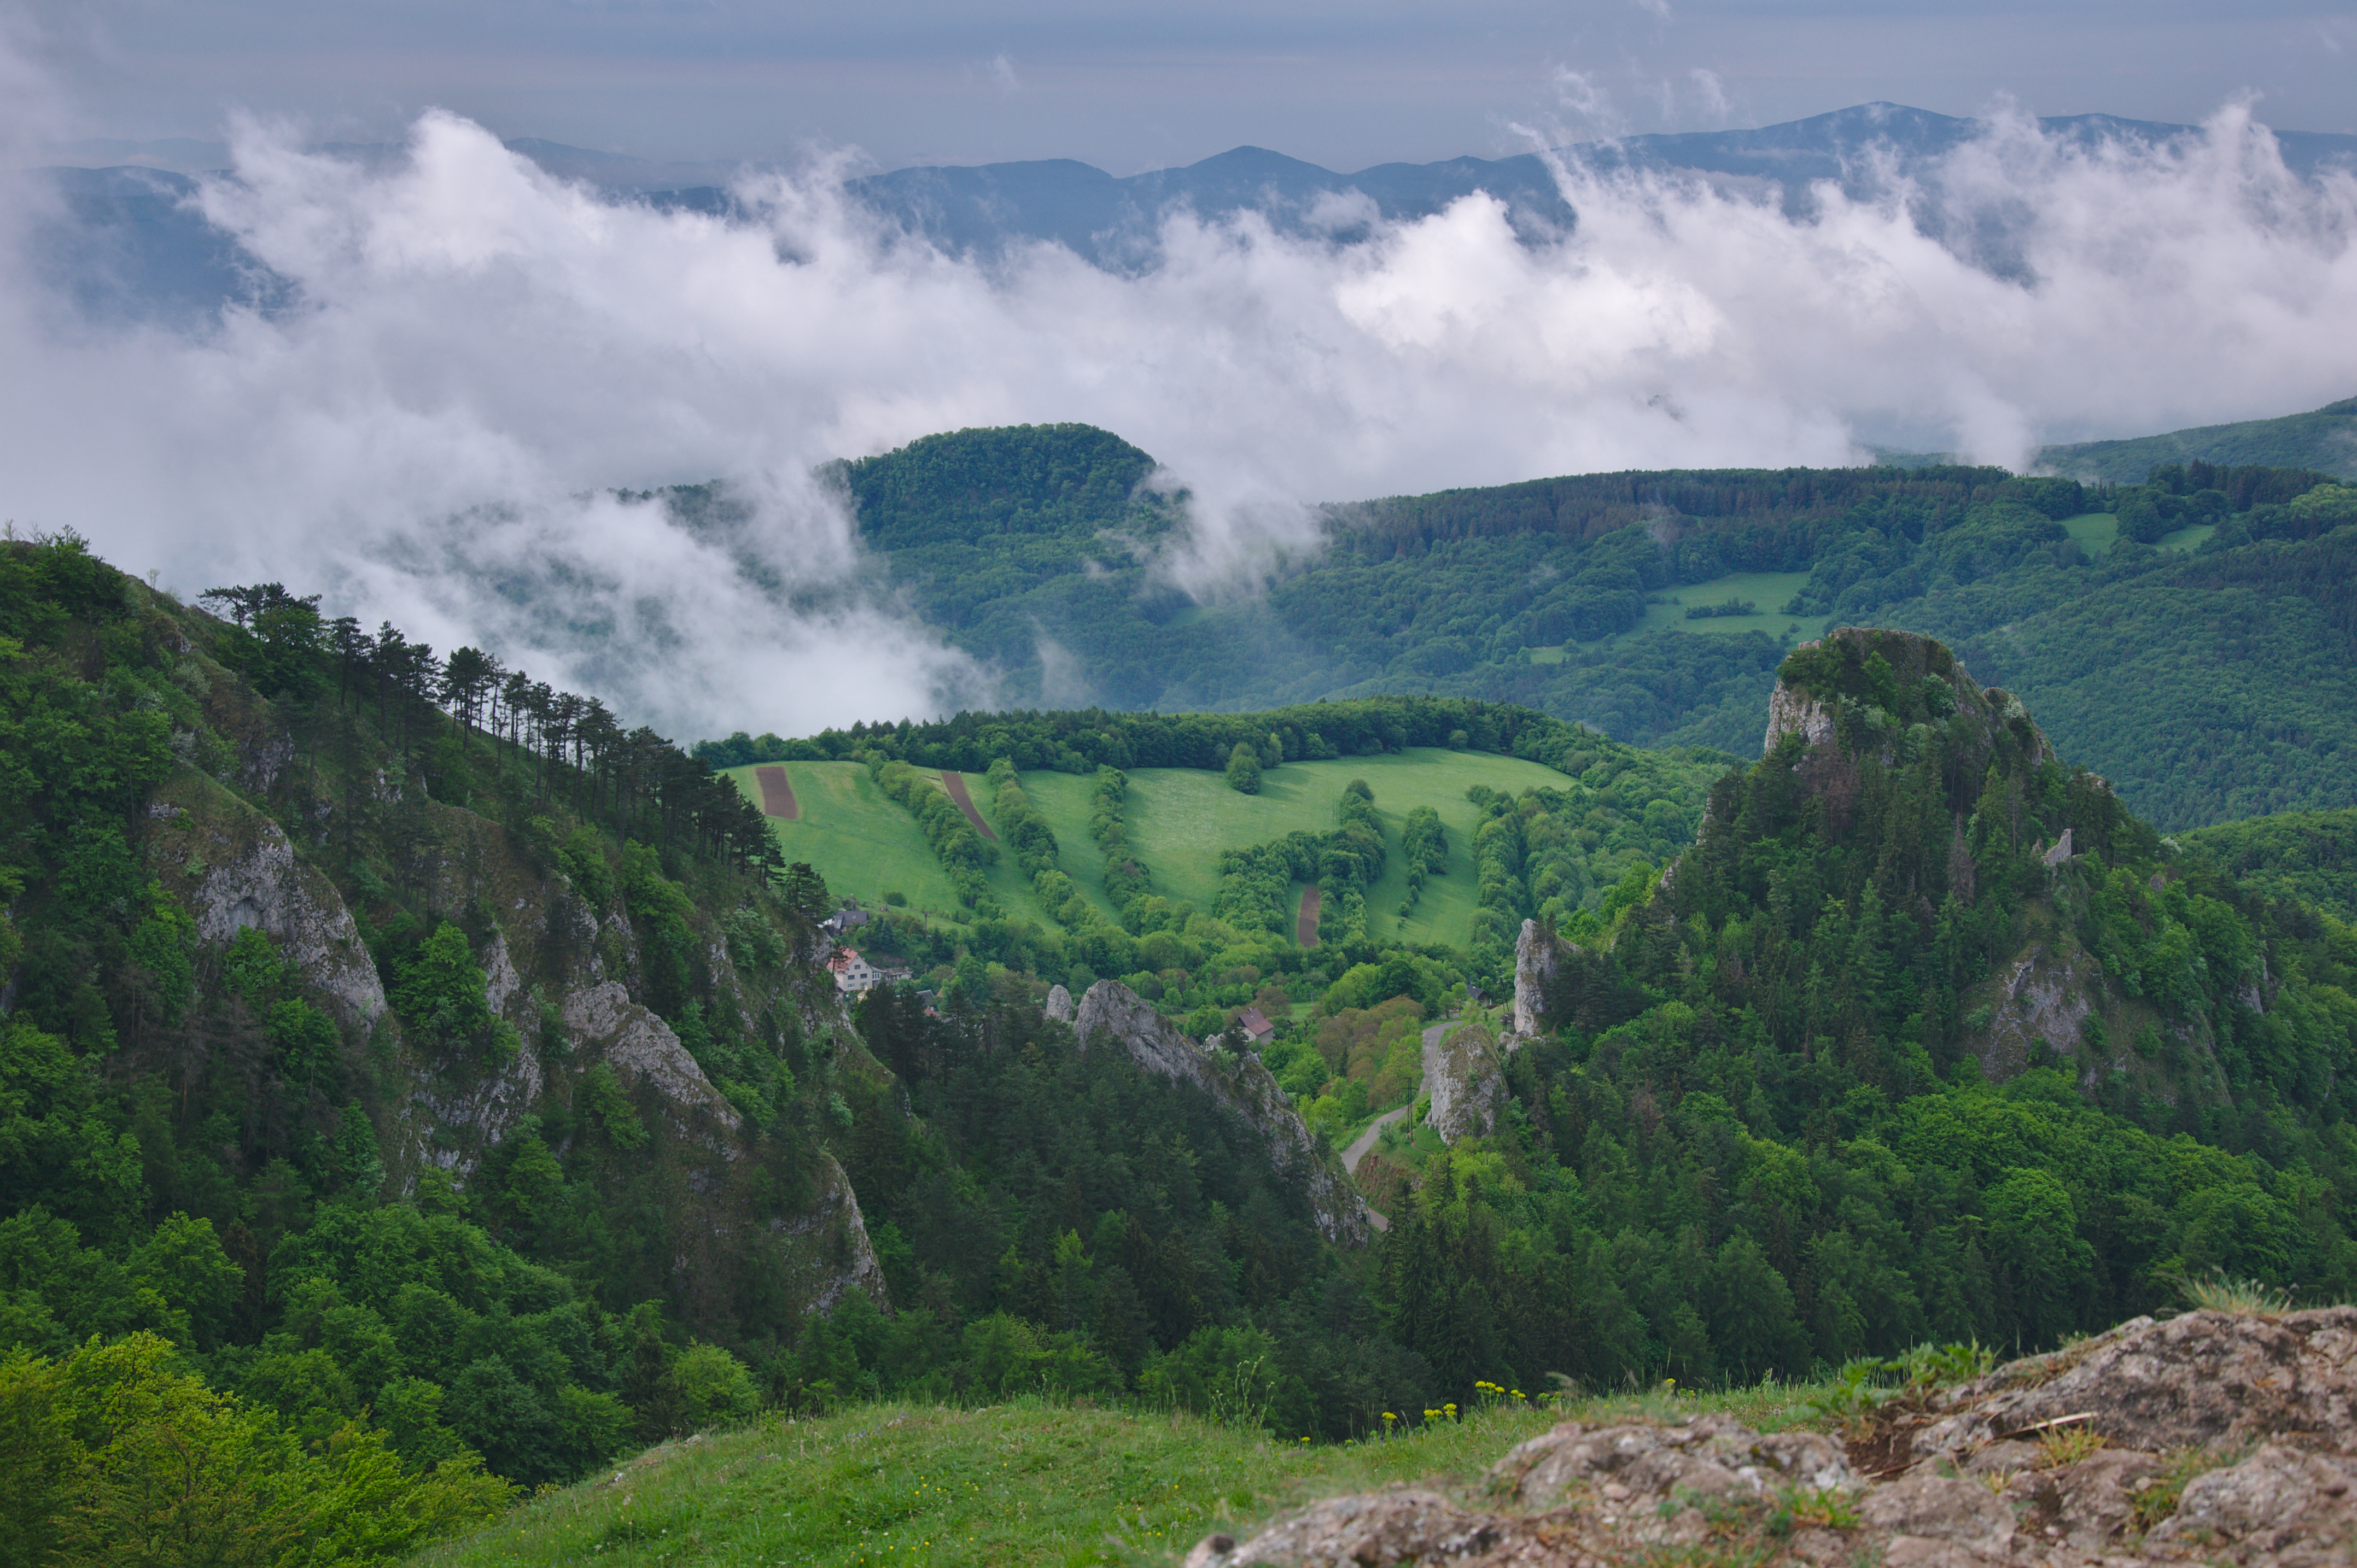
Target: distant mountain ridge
[(157, 260)]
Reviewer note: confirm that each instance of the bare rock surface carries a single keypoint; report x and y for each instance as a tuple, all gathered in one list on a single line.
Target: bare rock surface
[(254, 878), (1466, 1080), (604, 1020), (2210, 1438), (826, 1249), (2198, 1380), (1537, 958), (1111, 1012), (1059, 1005)]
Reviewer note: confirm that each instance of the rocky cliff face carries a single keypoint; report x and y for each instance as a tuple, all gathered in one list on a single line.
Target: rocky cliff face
[(1466, 1080), (1112, 1013), (236, 869), (2209, 1438), (571, 982), (1537, 958)]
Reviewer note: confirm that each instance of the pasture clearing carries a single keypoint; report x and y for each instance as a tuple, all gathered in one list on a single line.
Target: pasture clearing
[(1769, 592), (863, 844), (1179, 820), (2095, 532)]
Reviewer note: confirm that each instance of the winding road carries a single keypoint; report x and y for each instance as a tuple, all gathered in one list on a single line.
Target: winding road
[(1366, 1140)]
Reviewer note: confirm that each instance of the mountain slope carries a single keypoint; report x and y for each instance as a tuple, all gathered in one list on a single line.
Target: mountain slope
[(2325, 438), (1654, 606), (2310, 856)]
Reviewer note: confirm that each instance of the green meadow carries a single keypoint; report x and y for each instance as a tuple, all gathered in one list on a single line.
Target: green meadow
[(1179, 820), (1029, 1482), (1767, 592), (863, 844), (2095, 531)]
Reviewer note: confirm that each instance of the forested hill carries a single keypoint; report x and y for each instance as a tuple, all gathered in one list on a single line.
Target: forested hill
[(412, 1078), (2325, 438), (413, 1085), (2310, 856), (2209, 603)]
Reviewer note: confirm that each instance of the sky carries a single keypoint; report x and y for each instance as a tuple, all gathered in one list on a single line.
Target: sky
[(482, 358), (1128, 86)]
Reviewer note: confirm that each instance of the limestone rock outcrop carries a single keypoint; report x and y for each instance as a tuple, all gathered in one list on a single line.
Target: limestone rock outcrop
[(246, 872), (1466, 1080), (828, 1254), (1537, 957), (604, 1020), (2210, 1438), (1113, 1013), (1795, 713)]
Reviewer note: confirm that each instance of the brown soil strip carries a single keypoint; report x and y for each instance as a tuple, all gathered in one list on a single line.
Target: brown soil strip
[(777, 795), (955, 784), (1304, 924)]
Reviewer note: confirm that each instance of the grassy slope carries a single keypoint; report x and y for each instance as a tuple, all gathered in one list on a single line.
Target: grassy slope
[(2324, 438), (863, 844), (867, 846), (1179, 819), (1768, 590), (2096, 532), (1028, 1482)]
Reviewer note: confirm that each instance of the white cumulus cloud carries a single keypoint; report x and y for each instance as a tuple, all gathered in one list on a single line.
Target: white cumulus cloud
[(482, 355)]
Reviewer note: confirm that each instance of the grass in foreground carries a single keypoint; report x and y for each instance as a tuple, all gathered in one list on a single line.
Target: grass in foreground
[(1028, 1482)]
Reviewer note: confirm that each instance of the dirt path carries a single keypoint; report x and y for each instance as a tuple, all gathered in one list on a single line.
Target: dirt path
[(1366, 1140), (1304, 924), (777, 795), (1432, 1038), (955, 784)]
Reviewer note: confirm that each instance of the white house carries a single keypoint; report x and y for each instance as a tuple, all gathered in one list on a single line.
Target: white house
[(853, 973)]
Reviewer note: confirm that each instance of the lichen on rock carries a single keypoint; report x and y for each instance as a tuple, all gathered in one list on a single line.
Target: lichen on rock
[(2255, 1414)]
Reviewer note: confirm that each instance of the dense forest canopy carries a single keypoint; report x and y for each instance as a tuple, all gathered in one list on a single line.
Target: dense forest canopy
[(1542, 593), (330, 967)]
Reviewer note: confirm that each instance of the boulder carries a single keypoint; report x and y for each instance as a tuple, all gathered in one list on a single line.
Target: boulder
[(1387, 1530), (1978, 1479)]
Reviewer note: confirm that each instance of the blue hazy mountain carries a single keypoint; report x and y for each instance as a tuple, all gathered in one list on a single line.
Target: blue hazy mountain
[(129, 244)]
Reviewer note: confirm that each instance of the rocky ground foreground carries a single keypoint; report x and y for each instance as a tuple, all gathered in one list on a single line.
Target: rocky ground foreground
[(2211, 1437)]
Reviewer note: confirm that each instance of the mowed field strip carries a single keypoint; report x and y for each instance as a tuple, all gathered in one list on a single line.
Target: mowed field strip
[(776, 793), (1179, 820)]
